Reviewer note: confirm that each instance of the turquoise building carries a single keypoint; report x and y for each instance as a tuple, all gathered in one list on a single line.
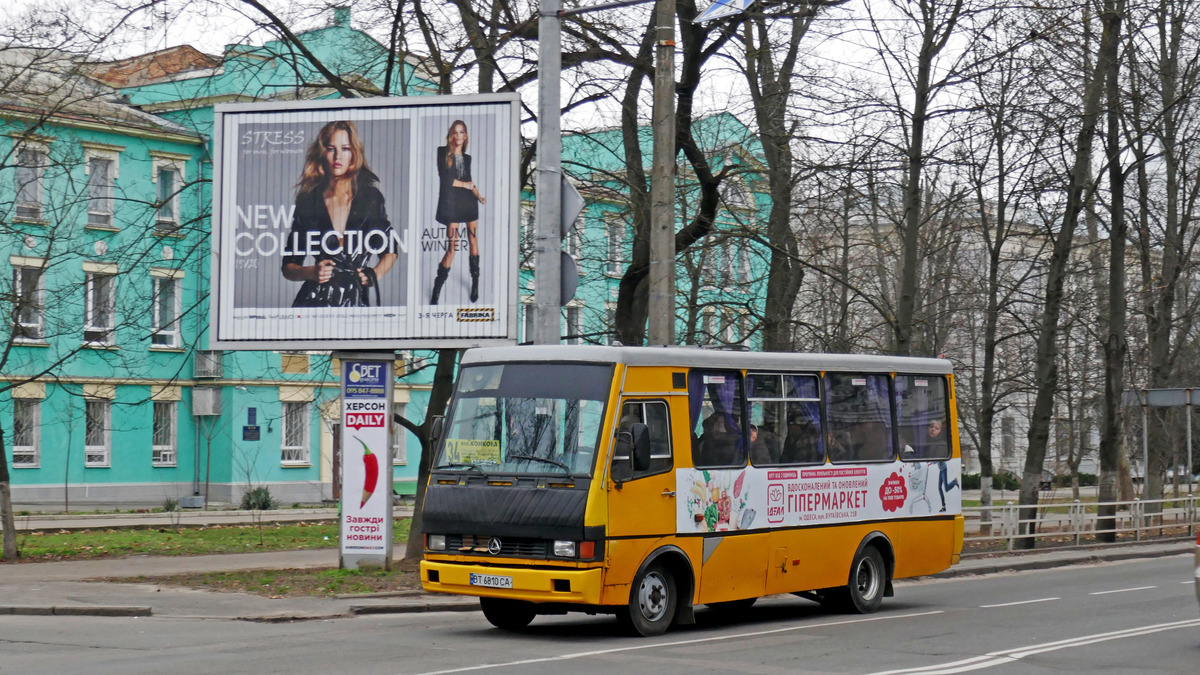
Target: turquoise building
[(719, 281), (109, 395)]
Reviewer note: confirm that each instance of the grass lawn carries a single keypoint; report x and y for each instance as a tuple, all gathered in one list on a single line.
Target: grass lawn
[(82, 544), (404, 576)]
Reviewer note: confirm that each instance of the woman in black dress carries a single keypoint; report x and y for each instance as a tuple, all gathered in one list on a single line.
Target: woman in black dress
[(458, 203), (337, 201)]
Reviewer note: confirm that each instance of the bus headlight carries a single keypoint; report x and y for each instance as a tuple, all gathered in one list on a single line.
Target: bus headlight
[(435, 542), (564, 549)]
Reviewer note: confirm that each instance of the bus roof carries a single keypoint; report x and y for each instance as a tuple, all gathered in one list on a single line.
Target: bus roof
[(708, 358)]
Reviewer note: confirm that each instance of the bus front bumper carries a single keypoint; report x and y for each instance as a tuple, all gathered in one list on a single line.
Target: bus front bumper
[(566, 585)]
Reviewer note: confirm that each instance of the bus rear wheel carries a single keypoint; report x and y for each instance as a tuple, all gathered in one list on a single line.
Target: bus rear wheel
[(507, 614), (651, 602), (868, 579)]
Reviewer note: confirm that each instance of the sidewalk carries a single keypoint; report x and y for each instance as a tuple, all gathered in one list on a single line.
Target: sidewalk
[(51, 588)]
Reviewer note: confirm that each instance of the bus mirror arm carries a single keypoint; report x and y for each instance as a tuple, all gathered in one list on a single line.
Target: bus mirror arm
[(641, 446), (435, 429)]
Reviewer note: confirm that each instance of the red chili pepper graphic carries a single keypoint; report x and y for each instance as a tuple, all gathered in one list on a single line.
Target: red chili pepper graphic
[(371, 464)]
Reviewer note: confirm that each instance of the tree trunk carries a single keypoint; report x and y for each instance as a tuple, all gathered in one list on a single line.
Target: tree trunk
[(439, 396), (8, 522), (1046, 369)]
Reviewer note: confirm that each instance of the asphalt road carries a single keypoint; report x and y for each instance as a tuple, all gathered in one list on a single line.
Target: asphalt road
[(1131, 617)]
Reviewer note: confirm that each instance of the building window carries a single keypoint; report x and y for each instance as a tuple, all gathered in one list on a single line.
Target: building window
[(164, 434), (166, 312), (101, 173), (399, 435), (27, 429), (30, 163), (744, 263), (615, 234), (295, 432), (528, 231), (735, 195), (167, 218), (574, 326), (97, 432), (29, 310), (572, 242), (610, 323), (99, 307)]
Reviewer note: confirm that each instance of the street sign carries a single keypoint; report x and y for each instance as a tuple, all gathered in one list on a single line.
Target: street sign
[(572, 206), (569, 276), (721, 9)]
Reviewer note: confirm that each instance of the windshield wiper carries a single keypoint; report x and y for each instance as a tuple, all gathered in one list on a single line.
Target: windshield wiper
[(462, 465), (547, 460)]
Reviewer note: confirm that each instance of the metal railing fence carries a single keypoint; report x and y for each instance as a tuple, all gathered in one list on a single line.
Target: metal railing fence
[(1079, 523)]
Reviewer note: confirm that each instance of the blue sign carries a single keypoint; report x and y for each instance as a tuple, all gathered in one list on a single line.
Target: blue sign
[(364, 379), (252, 416)]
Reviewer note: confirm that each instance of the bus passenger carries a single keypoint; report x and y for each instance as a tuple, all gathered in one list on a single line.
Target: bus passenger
[(802, 445), (764, 446)]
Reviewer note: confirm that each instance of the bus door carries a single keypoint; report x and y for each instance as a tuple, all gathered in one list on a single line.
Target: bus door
[(641, 503)]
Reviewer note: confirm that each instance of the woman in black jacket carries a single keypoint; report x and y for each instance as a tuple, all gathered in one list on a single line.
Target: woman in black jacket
[(458, 203), (337, 201)]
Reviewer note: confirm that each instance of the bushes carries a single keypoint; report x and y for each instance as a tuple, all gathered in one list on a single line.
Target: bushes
[(259, 499), (1007, 480)]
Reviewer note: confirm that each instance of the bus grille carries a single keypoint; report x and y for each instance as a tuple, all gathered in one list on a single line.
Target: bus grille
[(520, 547)]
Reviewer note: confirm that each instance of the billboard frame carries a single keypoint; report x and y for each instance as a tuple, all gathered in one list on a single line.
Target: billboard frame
[(509, 297)]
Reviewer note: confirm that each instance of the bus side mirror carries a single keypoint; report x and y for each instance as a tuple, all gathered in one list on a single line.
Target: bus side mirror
[(641, 446), (435, 429)]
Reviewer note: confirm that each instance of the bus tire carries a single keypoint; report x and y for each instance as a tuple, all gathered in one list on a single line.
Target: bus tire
[(868, 579), (507, 614), (651, 602)]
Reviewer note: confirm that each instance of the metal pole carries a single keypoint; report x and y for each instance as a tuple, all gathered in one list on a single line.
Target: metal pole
[(1189, 441), (1145, 450), (547, 247), (662, 183)]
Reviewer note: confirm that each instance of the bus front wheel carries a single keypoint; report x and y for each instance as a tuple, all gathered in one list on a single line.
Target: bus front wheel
[(651, 602), (507, 614)]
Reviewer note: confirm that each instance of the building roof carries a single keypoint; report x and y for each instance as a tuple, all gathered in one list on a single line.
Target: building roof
[(48, 84)]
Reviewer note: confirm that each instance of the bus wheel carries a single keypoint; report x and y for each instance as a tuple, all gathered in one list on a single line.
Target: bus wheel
[(868, 578), (507, 614), (651, 602)]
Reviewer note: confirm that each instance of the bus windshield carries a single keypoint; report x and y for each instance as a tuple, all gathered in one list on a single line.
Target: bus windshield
[(526, 418)]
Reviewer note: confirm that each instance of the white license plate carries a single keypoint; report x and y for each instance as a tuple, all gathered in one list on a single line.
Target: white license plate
[(491, 581)]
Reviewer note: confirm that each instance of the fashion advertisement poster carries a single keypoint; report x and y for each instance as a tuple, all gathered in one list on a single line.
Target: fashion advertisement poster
[(372, 223), (717, 500)]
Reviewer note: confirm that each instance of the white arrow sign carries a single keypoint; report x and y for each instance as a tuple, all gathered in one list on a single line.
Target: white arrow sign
[(721, 9)]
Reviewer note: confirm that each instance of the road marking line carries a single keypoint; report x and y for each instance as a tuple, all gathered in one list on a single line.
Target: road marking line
[(1011, 655), (1124, 590), (677, 643), (1019, 602)]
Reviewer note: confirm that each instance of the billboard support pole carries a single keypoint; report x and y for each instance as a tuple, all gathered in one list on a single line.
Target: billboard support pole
[(548, 207)]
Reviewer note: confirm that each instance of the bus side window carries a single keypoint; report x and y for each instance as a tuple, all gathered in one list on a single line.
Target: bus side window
[(860, 418), (921, 417), (716, 407), (657, 418)]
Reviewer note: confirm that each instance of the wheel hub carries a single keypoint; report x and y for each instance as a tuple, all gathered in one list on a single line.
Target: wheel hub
[(652, 597)]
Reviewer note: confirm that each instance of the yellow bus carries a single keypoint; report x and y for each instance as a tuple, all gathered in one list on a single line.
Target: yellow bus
[(647, 481)]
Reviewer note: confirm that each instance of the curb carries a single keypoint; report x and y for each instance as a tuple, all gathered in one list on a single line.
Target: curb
[(1021, 566), (413, 608), (74, 610)]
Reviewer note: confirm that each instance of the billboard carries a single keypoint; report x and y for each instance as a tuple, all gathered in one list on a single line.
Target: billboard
[(385, 223)]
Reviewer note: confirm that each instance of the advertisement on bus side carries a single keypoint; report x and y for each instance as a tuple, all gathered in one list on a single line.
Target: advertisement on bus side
[(718, 500)]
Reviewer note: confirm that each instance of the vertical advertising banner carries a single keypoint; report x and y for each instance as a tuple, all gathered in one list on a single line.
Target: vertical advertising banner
[(366, 223), (366, 530)]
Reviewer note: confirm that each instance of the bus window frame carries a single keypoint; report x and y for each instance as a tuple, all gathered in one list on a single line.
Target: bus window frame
[(669, 464), (744, 412), (891, 403), (783, 398), (946, 430)]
